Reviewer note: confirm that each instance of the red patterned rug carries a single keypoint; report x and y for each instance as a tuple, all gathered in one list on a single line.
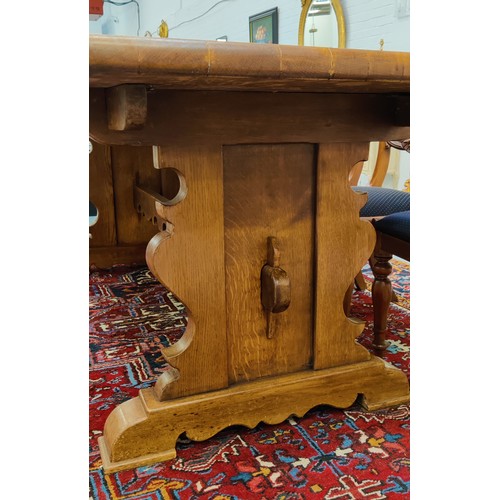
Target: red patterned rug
[(327, 454)]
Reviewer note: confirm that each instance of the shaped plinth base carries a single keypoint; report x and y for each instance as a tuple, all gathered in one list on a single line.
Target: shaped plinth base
[(144, 430), (151, 458)]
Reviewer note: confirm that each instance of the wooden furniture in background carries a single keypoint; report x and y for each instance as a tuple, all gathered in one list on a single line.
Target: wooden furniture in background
[(120, 235), (393, 238), (377, 179), (381, 165), (254, 144), (379, 171)]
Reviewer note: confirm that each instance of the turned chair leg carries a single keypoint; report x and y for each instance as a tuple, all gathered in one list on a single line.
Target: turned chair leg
[(381, 298), (371, 261)]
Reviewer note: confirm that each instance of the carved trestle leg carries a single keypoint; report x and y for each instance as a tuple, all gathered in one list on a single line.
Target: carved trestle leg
[(189, 261), (194, 395), (381, 298), (343, 244), (187, 257)]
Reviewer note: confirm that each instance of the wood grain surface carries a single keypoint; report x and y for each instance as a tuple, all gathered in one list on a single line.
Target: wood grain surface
[(268, 191), (222, 117), (101, 195), (189, 260), (210, 65), (108, 256), (143, 430), (343, 244), (264, 137), (132, 165)]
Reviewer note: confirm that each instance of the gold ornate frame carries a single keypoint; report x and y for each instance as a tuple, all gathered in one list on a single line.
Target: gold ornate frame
[(337, 8)]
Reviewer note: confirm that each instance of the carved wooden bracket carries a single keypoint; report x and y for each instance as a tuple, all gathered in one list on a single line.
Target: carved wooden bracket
[(154, 207), (275, 285), (127, 107)]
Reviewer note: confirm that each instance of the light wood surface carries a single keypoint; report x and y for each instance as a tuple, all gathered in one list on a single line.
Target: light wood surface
[(263, 139), (120, 235), (132, 165), (189, 260), (105, 257), (183, 117), (343, 245), (127, 107), (209, 65), (381, 164), (256, 206)]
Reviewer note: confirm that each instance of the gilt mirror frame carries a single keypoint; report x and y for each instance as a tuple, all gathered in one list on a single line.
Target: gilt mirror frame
[(339, 13)]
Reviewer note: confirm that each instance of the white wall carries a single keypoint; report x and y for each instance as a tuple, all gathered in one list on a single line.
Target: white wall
[(230, 18), (117, 20), (367, 21)]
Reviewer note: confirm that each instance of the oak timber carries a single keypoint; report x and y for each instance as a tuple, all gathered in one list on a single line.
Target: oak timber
[(189, 260), (143, 430), (107, 256), (256, 206), (207, 65), (101, 195), (264, 138), (132, 165), (343, 245), (193, 117)]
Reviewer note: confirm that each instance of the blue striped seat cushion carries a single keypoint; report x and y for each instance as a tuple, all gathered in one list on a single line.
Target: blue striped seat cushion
[(383, 201), (397, 225)]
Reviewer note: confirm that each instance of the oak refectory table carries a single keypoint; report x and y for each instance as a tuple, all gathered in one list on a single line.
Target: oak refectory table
[(239, 155)]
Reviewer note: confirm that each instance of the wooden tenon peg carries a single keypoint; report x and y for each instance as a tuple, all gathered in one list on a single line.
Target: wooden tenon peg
[(275, 285)]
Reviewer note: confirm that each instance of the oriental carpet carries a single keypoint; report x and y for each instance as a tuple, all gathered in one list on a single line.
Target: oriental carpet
[(327, 454)]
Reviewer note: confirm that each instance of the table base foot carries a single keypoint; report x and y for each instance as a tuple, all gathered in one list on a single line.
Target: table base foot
[(144, 430), (110, 467)]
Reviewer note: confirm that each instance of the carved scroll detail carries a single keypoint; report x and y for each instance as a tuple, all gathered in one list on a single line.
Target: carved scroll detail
[(344, 243), (152, 206), (190, 263)]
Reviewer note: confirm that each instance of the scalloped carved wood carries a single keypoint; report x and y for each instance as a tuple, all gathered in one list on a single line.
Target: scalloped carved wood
[(143, 431), (149, 204), (343, 244), (225, 370), (189, 261)]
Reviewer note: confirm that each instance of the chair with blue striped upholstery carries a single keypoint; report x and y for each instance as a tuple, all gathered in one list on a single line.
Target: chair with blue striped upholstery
[(383, 201), (389, 211)]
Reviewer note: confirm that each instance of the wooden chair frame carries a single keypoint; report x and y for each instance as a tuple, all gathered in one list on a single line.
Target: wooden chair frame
[(385, 248)]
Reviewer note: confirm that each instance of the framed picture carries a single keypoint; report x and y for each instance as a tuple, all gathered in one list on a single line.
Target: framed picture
[(264, 27)]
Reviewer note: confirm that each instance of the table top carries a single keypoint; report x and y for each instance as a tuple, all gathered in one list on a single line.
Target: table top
[(212, 65)]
